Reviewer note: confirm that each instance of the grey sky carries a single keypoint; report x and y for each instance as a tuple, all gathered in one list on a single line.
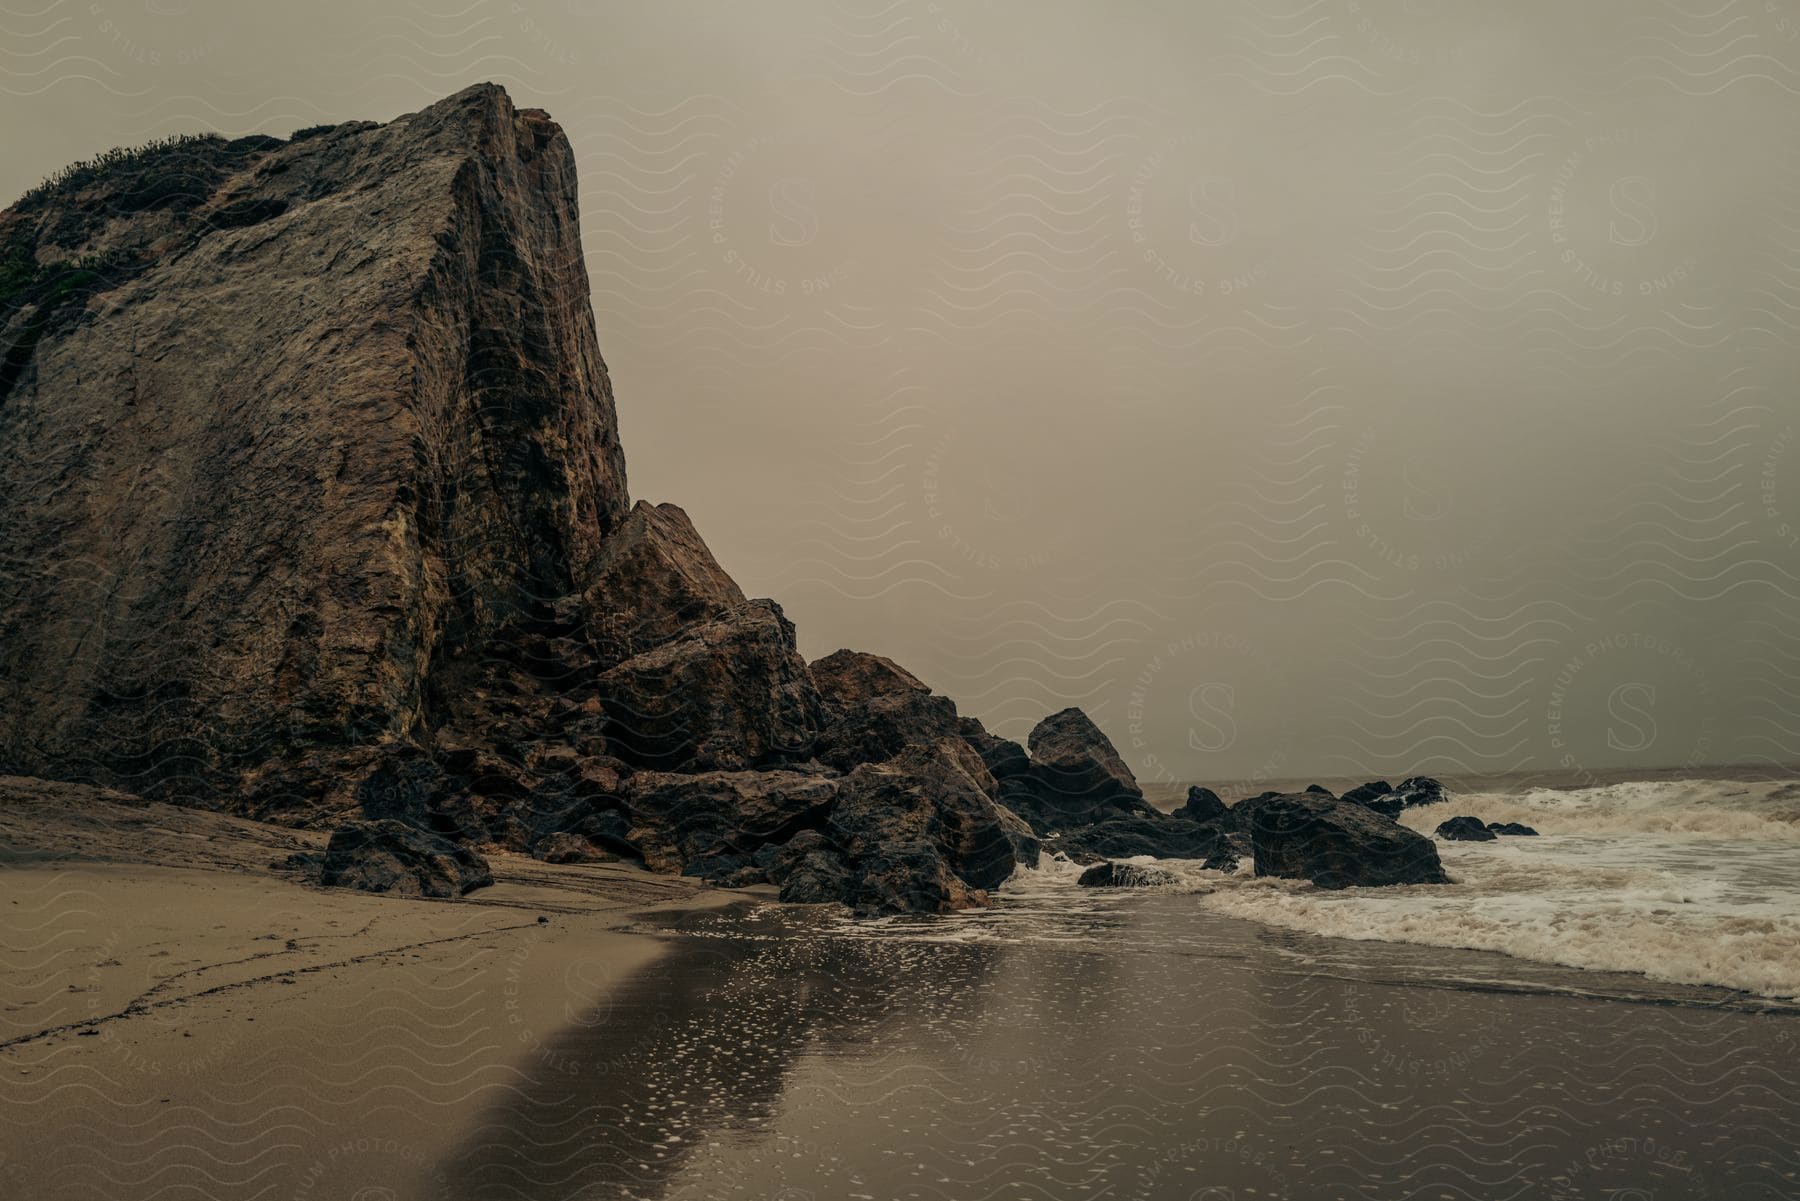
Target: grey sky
[(1346, 387)]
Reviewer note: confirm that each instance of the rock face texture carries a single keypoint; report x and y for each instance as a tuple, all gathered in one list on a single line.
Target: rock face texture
[(330, 424), (315, 510)]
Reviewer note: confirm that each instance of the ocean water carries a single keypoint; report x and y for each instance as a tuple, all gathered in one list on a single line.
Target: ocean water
[(1221, 1039), (1684, 881)]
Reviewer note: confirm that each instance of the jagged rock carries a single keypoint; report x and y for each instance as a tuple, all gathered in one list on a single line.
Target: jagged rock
[(652, 579), (1389, 800), (1075, 777), (565, 847), (1124, 875), (730, 694), (712, 824), (1203, 805), (1464, 829), (329, 416), (1514, 829), (847, 679), (1026, 846), (1422, 790), (1237, 817), (919, 833), (1338, 844), (1125, 837), (1318, 790), (1006, 760), (1368, 794), (1232, 848), (391, 856), (874, 709), (809, 869)]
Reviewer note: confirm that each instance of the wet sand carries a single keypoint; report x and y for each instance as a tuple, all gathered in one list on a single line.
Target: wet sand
[(178, 1019), (651, 1042)]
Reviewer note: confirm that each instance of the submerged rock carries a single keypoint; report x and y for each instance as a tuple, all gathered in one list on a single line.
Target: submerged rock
[(1464, 829), (1513, 829), (1125, 875), (391, 856), (1338, 844)]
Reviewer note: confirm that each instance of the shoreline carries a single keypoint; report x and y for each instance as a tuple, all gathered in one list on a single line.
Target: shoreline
[(179, 1013), (163, 981)]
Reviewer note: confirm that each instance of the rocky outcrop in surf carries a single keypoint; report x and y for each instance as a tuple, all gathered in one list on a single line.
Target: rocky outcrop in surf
[(1338, 844)]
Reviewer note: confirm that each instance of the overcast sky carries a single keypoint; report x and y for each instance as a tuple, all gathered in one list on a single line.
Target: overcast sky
[(1336, 388)]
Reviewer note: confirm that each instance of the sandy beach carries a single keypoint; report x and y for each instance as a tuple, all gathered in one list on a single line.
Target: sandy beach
[(199, 1024), (178, 1018)]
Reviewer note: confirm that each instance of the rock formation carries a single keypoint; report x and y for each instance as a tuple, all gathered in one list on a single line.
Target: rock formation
[(1386, 799), (1338, 844), (1464, 829), (1125, 875), (391, 856), (315, 510)]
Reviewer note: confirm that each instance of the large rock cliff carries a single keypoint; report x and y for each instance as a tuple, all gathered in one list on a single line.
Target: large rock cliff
[(314, 509)]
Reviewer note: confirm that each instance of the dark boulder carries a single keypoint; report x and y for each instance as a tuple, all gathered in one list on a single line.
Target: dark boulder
[(920, 834), (1373, 795), (1513, 829), (727, 695), (847, 679), (1464, 829), (1338, 844), (1203, 805), (1124, 837), (571, 848), (1386, 799), (653, 578), (1075, 777), (1238, 816), (1006, 760), (1232, 847), (708, 825), (1319, 790), (809, 870), (1421, 790), (875, 709), (391, 856), (1124, 875)]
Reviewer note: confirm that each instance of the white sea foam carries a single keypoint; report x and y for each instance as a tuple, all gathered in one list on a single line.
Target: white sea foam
[(1690, 882), (1695, 808)]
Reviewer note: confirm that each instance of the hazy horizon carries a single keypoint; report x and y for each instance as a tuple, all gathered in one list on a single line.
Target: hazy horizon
[(1345, 388)]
